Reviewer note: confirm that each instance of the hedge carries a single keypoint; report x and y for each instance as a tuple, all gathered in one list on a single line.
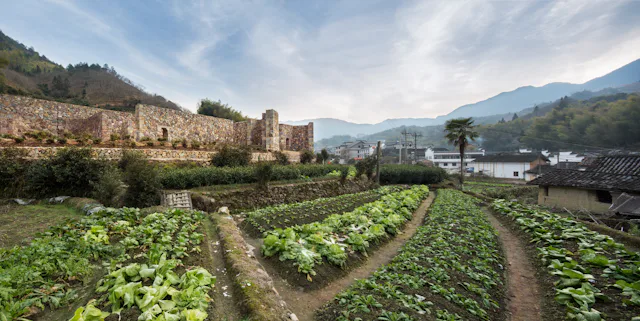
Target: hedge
[(181, 178), (411, 174)]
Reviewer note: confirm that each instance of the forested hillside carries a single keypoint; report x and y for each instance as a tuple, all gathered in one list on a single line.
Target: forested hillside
[(29, 73), (599, 122)]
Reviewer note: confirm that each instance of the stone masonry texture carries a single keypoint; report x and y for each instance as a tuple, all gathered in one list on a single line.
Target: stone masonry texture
[(19, 115)]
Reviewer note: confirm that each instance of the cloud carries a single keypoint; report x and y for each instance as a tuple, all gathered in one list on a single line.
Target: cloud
[(362, 61)]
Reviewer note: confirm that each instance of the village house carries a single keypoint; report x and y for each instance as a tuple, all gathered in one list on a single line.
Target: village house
[(450, 160), (512, 166), (593, 185), (355, 150)]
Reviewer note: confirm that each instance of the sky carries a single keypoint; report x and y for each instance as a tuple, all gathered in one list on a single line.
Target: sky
[(361, 61)]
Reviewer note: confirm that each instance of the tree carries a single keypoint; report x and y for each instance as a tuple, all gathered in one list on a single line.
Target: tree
[(536, 110), (515, 116), (218, 109), (324, 154), (458, 132), (3, 62)]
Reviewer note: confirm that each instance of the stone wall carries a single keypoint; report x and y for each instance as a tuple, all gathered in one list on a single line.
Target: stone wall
[(574, 199), (158, 155), (19, 115), (153, 121)]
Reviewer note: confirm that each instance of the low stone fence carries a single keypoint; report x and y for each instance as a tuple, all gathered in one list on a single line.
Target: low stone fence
[(158, 155)]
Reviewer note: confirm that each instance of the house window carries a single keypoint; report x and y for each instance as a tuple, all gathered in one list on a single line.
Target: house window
[(445, 164), (604, 196), (453, 164), (515, 174), (165, 133)]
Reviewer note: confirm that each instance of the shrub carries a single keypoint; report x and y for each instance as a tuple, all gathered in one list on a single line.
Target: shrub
[(145, 139), (411, 174), (97, 141), (344, 173), (264, 171), (181, 178), (162, 139), (50, 141), (13, 167), (143, 184), (126, 137), (281, 158), (69, 172), (128, 157), (19, 140), (195, 144), (231, 157), (185, 143), (366, 167), (108, 190), (114, 137), (62, 141), (150, 144), (306, 157), (175, 143), (133, 144)]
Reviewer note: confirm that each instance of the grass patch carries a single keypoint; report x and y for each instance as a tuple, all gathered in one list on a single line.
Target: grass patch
[(20, 223)]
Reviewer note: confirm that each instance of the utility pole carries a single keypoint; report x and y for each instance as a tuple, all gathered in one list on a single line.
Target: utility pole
[(405, 133), (378, 163), (400, 155)]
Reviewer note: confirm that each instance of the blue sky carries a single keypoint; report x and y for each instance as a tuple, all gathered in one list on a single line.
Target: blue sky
[(362, 61)]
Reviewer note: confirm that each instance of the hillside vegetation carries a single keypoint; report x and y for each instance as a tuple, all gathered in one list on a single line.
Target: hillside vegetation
[(28, 73)]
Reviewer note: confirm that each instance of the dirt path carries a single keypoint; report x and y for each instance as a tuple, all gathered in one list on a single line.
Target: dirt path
[(523, 294), (304, 304)]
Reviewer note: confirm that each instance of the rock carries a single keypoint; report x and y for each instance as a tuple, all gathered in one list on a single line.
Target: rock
[(293, 317), (58, 199), (23, 201), (224, 210)]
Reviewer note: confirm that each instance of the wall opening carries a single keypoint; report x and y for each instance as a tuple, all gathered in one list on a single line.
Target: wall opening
[(165, 134), (604, 196), (287, 144), (546, 191)]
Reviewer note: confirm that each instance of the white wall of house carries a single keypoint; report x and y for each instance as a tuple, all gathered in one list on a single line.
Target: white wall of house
[(450, 161), (502, 169)]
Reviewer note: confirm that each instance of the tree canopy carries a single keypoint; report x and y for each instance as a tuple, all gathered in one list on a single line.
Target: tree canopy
[(459, 132), (218, 109)]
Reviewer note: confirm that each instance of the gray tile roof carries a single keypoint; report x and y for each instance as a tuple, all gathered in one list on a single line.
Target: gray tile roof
[(510, 158)]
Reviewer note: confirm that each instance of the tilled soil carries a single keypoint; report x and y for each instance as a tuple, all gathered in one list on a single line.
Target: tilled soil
[(523, 293)]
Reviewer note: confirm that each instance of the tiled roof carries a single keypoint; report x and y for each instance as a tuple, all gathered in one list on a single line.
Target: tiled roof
[(626, 204), (540, 169), (509, 158), (613, 173)]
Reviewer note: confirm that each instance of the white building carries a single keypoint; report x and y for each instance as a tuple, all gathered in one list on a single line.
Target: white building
[(450, 160), (356, 150), (563, 157), (513, 166)]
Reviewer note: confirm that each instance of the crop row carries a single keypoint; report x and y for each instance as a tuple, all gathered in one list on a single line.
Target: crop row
[(45, 273), (338, 235), (596, 277), (287, 215), (449, 270)]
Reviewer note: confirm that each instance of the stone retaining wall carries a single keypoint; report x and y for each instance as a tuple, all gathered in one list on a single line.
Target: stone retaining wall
[(159, 155)]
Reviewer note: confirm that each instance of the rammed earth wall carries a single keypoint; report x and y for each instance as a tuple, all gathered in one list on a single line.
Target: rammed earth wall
[(158, 155), (19, 115)]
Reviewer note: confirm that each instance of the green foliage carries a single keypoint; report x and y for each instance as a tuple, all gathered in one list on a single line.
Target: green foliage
[(108, 190), (69, 172), (181, 178), (306, 245), (143, 184), (230, 156), (344, 174), (264, 172), (607, 121), (218, 109), (306, 157), (13, 167), (411, 174), (366, 167), (459, 132), (281, 158), (435, 270)]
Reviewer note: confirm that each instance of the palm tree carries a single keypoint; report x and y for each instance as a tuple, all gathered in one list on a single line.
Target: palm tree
[(459, 131)]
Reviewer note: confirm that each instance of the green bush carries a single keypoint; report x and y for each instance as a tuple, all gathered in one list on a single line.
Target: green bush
[(13, 167), (264, 172), (281, 158), (344, 173), (108, 190), (114, 137), (366, 167), (143, 184), (411, 174), (231, 157), (69, 172), (306, 157), (19, 140), (181, 178)]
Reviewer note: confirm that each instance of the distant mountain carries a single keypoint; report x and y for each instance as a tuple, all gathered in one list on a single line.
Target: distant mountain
[(30, 74), (503, 103)]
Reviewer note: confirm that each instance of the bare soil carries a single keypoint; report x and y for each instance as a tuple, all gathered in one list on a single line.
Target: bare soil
[(523, 293), (305, 303)]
